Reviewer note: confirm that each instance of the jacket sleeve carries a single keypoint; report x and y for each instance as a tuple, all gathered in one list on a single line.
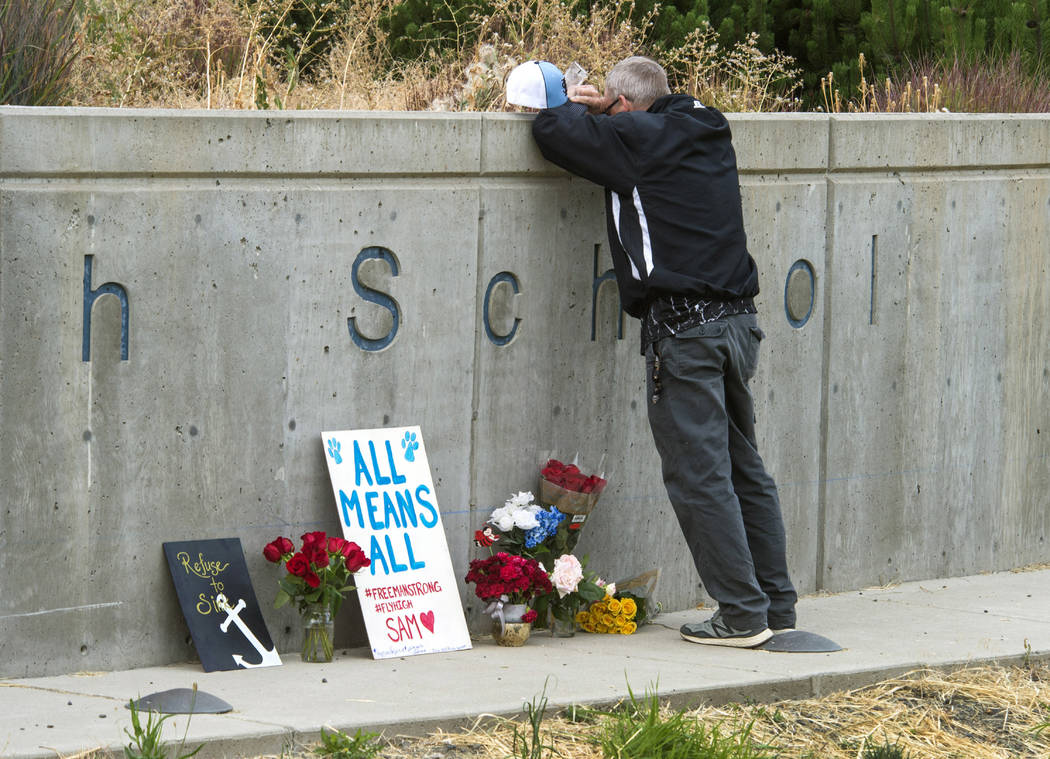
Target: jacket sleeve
[(593, 147)]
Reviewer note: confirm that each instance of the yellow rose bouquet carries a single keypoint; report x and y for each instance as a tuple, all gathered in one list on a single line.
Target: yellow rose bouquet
[(610, 615)]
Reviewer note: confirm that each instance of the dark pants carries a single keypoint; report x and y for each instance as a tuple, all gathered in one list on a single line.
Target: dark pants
[(703, 422)]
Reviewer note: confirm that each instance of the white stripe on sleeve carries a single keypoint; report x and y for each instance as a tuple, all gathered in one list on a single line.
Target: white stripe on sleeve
[(616, 222), (647, 248)]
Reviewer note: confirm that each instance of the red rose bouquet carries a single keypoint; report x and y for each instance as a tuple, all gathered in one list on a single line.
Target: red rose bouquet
[(319, 573), (567, 490), (570, 490), (510, 578), (317, 579), (507, 579)]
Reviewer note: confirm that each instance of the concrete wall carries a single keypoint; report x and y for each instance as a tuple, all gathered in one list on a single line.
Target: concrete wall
[(905, 415)]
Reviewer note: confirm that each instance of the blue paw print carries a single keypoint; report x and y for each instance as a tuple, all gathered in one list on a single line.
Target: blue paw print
[(333, 450), (410, 444)]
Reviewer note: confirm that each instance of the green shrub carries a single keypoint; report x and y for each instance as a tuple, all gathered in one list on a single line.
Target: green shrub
[(38, 44)]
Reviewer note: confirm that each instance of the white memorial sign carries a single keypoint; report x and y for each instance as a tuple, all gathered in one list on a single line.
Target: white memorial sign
[(385, 497)]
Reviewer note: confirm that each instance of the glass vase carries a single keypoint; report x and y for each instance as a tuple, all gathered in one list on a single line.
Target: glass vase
[(563, 627), (318, 633)]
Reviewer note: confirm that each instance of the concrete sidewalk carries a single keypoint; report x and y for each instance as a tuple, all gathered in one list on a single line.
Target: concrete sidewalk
[(885, 631)]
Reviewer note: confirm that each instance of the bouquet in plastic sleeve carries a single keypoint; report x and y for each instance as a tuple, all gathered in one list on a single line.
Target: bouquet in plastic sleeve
[(641, 589), (570, 491), (610, 615), (627, 605)]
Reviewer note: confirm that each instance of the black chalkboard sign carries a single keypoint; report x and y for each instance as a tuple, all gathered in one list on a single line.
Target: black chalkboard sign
[(219, 604)]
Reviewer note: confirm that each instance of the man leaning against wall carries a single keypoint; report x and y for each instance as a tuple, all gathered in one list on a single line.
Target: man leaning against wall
[(676, 234)]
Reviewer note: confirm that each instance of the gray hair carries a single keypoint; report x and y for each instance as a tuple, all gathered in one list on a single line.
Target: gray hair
[(641, 80)]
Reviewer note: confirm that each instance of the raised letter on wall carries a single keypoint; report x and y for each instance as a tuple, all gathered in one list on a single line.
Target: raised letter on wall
[(90, 296), (374, 296)]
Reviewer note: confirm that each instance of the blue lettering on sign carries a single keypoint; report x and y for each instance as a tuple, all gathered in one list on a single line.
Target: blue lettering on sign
[(373, 510), (90, 296), (383, 553), (399, 509), (503, 276), (350, 505), (390, 511), (360, 467), (406, 507), (374, 296), (381, 479), (426, 505)]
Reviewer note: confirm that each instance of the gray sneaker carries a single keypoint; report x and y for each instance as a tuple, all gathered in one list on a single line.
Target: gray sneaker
[(717, 632)]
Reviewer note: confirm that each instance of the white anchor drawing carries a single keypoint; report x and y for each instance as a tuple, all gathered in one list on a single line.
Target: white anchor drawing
[(269, 658)]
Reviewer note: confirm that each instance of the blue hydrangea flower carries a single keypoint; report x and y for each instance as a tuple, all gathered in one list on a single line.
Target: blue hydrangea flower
[(549, 521)]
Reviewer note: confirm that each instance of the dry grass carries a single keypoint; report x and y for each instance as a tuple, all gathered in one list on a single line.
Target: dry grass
[(740, 79), (217, 54), (978, 713), (984, 86)]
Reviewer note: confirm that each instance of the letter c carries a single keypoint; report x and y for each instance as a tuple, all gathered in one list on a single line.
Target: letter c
[(510, 279)]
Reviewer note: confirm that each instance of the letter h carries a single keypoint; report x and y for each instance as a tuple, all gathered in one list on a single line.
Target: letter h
[(595, 287), (90, 296)]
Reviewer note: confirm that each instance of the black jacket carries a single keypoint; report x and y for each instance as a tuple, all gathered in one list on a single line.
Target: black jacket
[(672, 196)]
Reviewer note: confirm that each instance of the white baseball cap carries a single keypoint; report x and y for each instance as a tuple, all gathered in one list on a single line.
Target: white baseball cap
[(536, 84)]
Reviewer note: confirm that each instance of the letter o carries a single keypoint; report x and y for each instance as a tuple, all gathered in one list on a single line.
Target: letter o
[(800, 290)]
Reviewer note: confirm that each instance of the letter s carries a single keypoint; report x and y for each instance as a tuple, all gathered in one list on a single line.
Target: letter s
[(374, 296), (433, 520)]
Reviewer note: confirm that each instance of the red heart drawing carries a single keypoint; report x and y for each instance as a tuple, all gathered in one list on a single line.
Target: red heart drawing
[(427, 618)]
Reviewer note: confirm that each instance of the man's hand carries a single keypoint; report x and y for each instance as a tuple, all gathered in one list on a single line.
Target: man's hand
[(588, 94)]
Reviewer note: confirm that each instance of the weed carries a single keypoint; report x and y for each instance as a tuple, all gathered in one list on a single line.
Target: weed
[(582, 715), (145, 739), (642, 732), (339, 745), (884, 750), (529, 745), (38, 45)]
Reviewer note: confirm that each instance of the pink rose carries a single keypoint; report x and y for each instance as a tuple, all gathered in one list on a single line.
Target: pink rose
[(567, 574)]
